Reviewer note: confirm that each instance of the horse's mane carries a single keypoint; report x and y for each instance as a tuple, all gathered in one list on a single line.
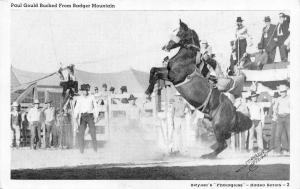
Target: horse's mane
[(196, 38)]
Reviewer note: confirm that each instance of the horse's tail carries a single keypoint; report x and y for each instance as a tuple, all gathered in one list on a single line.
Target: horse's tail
[(242, 122)]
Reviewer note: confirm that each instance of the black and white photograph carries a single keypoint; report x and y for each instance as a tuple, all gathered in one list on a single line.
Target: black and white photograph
[(98, 93)]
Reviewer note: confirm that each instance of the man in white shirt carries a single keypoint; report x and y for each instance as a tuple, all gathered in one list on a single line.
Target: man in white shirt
[(282, 116), (49, 113), (35, 118), (241, 35), (86, 113), (257, 116)]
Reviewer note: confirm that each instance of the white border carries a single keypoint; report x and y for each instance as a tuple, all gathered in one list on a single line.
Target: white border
[(292, 5)]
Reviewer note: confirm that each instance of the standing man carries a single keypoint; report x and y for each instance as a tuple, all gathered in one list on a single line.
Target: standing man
[(86, 114), (15, 124), (282, 34), (178, 114), (49, 113), (134, 113), (267, 39), (282, 115), (241, 35), (257, 116), (35, 118)]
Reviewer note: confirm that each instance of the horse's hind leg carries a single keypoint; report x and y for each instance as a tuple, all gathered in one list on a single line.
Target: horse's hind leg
[(219, 146)]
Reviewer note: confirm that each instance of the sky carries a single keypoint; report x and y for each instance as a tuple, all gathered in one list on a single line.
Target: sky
[(112, 41)]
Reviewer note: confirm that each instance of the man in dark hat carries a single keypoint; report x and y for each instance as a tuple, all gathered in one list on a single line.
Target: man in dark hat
[(86, 113), (257, 116), (241, 35), (112, 90), (282, 34), (134, 112), (123, 89), (267, 39)]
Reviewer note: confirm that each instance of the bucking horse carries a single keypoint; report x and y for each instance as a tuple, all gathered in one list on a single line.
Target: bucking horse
[(197, 90)]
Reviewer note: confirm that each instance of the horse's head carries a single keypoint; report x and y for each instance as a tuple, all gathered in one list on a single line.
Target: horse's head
[(183, 63), (181, 37)]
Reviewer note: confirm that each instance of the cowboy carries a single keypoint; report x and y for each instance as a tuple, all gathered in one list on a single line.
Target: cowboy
[(65, 127), (282, 117), (179, 111), (68, 80), (49, 113), (257, 116), (134, 112), (112, 90), (15, 124), (35, 118), (85, 113), (255, 61), (267, 39), (206, 48), (282, 34), (241, 35)]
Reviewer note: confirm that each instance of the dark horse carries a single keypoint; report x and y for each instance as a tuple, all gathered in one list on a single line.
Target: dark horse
[(197, 90)]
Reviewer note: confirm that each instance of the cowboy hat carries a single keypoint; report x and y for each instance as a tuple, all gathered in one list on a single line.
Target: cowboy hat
[(276, 95), (15, 104), (85, 87), (267, 19), (245, 95), (204, 41), (254, 94), (239, 19), (282, 88), (111, 89), (36, 101), (131, 97)]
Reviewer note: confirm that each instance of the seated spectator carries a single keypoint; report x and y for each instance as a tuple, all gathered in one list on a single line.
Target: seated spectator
[(255, 61)]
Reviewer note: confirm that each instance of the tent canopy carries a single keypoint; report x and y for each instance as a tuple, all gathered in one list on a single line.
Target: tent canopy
[(136, 81)]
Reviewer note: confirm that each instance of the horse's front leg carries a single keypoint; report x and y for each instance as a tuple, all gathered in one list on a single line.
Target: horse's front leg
[(156, 74)]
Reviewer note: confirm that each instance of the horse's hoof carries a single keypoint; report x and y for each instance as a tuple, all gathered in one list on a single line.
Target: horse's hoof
[(209, 156)]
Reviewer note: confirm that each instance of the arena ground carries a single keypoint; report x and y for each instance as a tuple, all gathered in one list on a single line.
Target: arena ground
[(70, 164)]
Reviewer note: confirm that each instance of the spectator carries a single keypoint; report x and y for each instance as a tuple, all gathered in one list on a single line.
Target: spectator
[(15, 124), (206, 49), (35, 118), (133, 113), (123, 89), (112, 90), (282, 117), (49, 113), (255, 61), (24, 127), (85, 114), (282, 35), (267, 39), (274, 124), (241, 106), (233, 59), (241, 35), (257, 117), (65, 127), (178, 113)]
